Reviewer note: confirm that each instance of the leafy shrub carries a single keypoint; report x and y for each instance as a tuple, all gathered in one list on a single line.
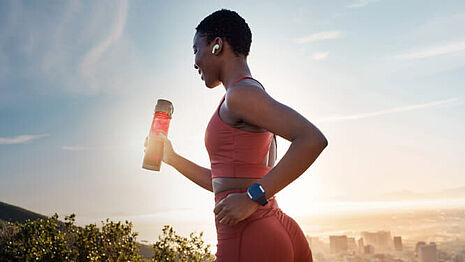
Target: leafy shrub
[(172, 247), (50, 239)]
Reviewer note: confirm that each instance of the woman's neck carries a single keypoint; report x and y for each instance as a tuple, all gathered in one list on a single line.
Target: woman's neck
[(235, 69)]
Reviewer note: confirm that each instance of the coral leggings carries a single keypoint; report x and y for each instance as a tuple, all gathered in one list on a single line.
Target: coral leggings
[(266, 235)]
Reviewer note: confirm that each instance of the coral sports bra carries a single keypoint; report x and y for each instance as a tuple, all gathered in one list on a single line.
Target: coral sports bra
[(234, 152)]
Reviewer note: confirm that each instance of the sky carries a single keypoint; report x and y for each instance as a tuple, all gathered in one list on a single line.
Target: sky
[(382, 80)]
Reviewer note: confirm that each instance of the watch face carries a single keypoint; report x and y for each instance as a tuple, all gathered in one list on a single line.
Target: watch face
[(261, 188)]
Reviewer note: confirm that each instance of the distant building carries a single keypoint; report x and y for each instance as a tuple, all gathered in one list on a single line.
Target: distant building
[(418, 245), (316, 244), (351, 243), (398, 243), (338, 243), (380, 240), (384, 239), (369, 249), (427, 253), (370, 238), (360, 245)]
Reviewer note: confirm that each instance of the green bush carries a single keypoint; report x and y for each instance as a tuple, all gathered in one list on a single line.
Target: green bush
[(53, 240), (172, 247)]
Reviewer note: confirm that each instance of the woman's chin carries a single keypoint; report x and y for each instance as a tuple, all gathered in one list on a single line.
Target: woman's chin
[(209, 84)]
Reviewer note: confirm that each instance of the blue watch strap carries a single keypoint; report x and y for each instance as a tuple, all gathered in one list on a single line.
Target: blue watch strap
[(257, 194)]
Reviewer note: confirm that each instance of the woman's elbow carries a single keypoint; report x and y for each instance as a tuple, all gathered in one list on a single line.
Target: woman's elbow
[(321, 144), (324, 142), (317, 141)]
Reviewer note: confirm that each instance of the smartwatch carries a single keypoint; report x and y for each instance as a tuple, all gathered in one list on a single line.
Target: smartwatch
[(257, 194)]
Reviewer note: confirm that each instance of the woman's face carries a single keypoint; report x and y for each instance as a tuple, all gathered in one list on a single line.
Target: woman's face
[(205, 62)]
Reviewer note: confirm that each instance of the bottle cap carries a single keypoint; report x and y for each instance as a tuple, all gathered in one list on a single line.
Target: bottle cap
[(164, 105)]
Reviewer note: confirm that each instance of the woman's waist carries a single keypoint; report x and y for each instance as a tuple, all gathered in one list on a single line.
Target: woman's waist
[(221, 184), (228, 231), (220, 194), (239, 171)]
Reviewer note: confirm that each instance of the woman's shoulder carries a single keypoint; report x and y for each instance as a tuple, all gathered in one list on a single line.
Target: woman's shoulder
[(245, 96), (245, 87), (248, 82)]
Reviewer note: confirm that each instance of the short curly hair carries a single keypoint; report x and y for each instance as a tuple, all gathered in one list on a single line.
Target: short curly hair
[(230, 26)]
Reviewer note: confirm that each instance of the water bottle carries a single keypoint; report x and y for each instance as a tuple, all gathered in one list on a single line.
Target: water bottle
[(160, 123)]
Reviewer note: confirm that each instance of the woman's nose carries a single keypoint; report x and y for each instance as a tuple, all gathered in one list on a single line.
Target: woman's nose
[(195, 66)]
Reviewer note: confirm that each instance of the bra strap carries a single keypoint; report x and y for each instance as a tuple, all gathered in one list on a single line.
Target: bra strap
[(242, 77)]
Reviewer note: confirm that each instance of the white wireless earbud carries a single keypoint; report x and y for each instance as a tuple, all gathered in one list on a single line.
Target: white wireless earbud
[(215, 47)]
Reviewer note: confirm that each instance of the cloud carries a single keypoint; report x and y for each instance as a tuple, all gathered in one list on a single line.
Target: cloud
[(456, 100), (319, 55), (92, 57), (320, 36), (19, 139), (433, 51), (79, 48), (361, 3), (100, 147), (73, 148)]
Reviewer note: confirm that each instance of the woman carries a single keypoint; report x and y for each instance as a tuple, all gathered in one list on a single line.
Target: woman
[(239, 140)]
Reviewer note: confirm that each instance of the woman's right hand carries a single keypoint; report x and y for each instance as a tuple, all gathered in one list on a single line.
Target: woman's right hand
[(168, 151)]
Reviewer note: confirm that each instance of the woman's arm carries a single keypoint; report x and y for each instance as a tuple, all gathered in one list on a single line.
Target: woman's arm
[(255, 106), (300, 155), (197, 174)]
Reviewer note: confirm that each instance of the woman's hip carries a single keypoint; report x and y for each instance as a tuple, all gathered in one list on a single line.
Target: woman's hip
[(271, 237)]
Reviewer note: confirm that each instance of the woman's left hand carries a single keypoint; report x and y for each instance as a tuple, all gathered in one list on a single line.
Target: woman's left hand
[(234, 208)]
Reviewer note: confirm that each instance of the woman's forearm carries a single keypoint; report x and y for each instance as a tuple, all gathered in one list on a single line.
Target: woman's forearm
[(197, 174), (300, 155)]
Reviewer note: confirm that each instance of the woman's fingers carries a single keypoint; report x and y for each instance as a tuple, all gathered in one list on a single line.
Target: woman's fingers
[(225, 220), (222, 214), (219, 206), (231, 222)]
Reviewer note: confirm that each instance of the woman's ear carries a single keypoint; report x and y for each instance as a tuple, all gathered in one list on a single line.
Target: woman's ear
[(217, 41)]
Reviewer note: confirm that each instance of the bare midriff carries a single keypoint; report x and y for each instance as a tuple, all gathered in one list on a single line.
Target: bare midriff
[(221, 184)]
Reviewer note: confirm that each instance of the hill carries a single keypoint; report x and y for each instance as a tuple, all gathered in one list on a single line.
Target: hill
[(11, 213)]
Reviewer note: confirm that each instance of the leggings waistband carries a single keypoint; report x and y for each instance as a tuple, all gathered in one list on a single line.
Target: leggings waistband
[(219, 196)]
